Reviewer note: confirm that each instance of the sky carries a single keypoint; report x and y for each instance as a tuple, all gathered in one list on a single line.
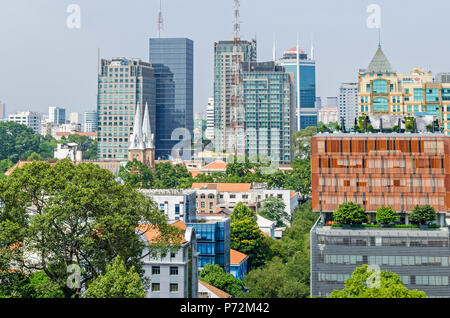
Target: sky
[(45, 63)]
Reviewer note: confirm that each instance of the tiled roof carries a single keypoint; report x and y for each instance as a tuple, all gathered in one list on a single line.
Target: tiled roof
[(216, 291), (216, 165), (225, 187), (152, 233), (293, 193), (236, 257)]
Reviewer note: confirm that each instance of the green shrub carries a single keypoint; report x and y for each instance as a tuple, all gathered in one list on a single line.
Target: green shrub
[(423, 214), (350, 213), (386, 215)]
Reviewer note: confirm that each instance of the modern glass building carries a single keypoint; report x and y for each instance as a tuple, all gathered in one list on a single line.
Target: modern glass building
[(213, 241), (90, 121), (57, 115), (122, 85), (269, 111), (173, 63), (306, 87), (224, 56)]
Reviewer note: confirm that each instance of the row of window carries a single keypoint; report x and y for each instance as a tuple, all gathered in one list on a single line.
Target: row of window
[(383, 241), (156, 270), (386, 260), (156, 287), (407, 280)]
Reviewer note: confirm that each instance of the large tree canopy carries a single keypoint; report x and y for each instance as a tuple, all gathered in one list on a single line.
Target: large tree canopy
[(52, 217)]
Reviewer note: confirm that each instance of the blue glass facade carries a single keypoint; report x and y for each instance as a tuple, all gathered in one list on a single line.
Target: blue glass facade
[(173, 61), (213, 243), (307, 70)]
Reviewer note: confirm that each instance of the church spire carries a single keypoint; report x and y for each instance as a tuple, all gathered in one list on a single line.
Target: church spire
[(147, 130), (136, 139)]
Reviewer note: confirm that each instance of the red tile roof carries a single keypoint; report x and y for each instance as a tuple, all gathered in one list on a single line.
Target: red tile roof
[(152, 233), (225, 187), (216, 291), (216, 165), (236, 257)]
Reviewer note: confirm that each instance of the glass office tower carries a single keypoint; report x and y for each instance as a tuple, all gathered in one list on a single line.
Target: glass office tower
[(173, 62), (122, 85), (307, 87)]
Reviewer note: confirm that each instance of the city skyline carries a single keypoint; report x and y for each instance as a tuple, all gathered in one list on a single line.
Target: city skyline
[(339, 51)]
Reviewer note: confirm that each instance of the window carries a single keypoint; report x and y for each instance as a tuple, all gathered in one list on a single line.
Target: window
[(174, 288), (174, 271), (156, 287), (172, 255), (380, 87), (380, 104), (156, 270)]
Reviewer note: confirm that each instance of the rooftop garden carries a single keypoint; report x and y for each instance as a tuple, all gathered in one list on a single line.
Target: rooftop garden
[(352, 215)]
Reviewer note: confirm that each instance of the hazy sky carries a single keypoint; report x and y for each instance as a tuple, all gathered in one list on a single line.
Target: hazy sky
[(44, 63)]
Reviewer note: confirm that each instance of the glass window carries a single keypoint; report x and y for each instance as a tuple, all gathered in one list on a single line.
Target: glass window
[(156, 287), (380, 87), (174, 271), (156, 270), (380, 104), (174, 288)]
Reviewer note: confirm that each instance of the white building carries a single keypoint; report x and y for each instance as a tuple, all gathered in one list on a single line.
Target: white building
[(328, 115), (74, 118), (28, 118), (57, 115), (70, 151), (266, 226), (348, 104), (174, 275), (210, 119), (2, 110), (176, 204)]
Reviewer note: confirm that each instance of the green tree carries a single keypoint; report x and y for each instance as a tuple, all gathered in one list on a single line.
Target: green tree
[(5, 164), (422, 214), (34, 156), (301, 142), (117, 282), (274, 209), (81, 215), (17, 141), (368, 283), (43, 287), (137, 175), (241, 212), (386, 215), (215, 276), (350, 213), (247, 238)]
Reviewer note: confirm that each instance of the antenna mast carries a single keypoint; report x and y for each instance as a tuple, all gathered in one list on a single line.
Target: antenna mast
[(160, 20)]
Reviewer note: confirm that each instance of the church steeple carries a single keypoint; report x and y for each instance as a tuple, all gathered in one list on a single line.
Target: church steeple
[(147, 130), (141, 140), (136, 139)]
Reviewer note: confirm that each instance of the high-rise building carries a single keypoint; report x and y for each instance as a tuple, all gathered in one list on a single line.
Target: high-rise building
[(442, 78), (227, 56), (123, 84), (173, 63), (269, 109), (28, 118), (383, 91), (2, 110), (90, 121), (348, 104), (57, 115), (298, 62), (210, 119)]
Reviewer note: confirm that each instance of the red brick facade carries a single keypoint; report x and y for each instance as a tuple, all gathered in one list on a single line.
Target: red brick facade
[(399, 170)]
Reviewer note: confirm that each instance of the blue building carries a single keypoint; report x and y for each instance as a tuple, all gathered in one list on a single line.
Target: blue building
[(173, 62), (238, 264), (213, 241), (306, 87)]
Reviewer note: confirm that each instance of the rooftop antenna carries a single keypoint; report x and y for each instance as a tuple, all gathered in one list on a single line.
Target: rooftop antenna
[(379, 37), (312, 47), (160, 21), (237, 24)]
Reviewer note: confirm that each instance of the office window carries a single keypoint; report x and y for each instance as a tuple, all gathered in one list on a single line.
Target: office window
[(174, 288), (174, 271), (156, 287), (156, 270), (380, 87)]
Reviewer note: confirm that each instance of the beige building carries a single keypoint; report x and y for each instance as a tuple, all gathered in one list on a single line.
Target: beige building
[(383, 91)]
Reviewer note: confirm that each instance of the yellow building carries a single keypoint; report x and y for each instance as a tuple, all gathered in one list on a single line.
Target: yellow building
[(383, 91)]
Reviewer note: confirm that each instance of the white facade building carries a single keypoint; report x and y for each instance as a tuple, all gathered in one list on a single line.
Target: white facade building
[(176, 204), (90, 121), (68, 151), (28, 118), (328, 115), (74, 118), (348, 104), (210, 119), (57, 115)]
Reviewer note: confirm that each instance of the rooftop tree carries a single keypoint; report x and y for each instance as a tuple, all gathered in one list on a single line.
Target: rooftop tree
[(350, 213)]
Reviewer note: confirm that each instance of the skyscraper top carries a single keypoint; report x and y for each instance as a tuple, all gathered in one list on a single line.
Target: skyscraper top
[(380, 63)]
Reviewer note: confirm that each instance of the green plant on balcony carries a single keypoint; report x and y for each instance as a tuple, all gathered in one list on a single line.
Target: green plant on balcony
[(422, 214), (429, 128), (395, 129), (350, 213), (386, 215)]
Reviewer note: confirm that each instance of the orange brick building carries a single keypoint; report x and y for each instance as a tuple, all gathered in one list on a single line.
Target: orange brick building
[(399, 170)]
